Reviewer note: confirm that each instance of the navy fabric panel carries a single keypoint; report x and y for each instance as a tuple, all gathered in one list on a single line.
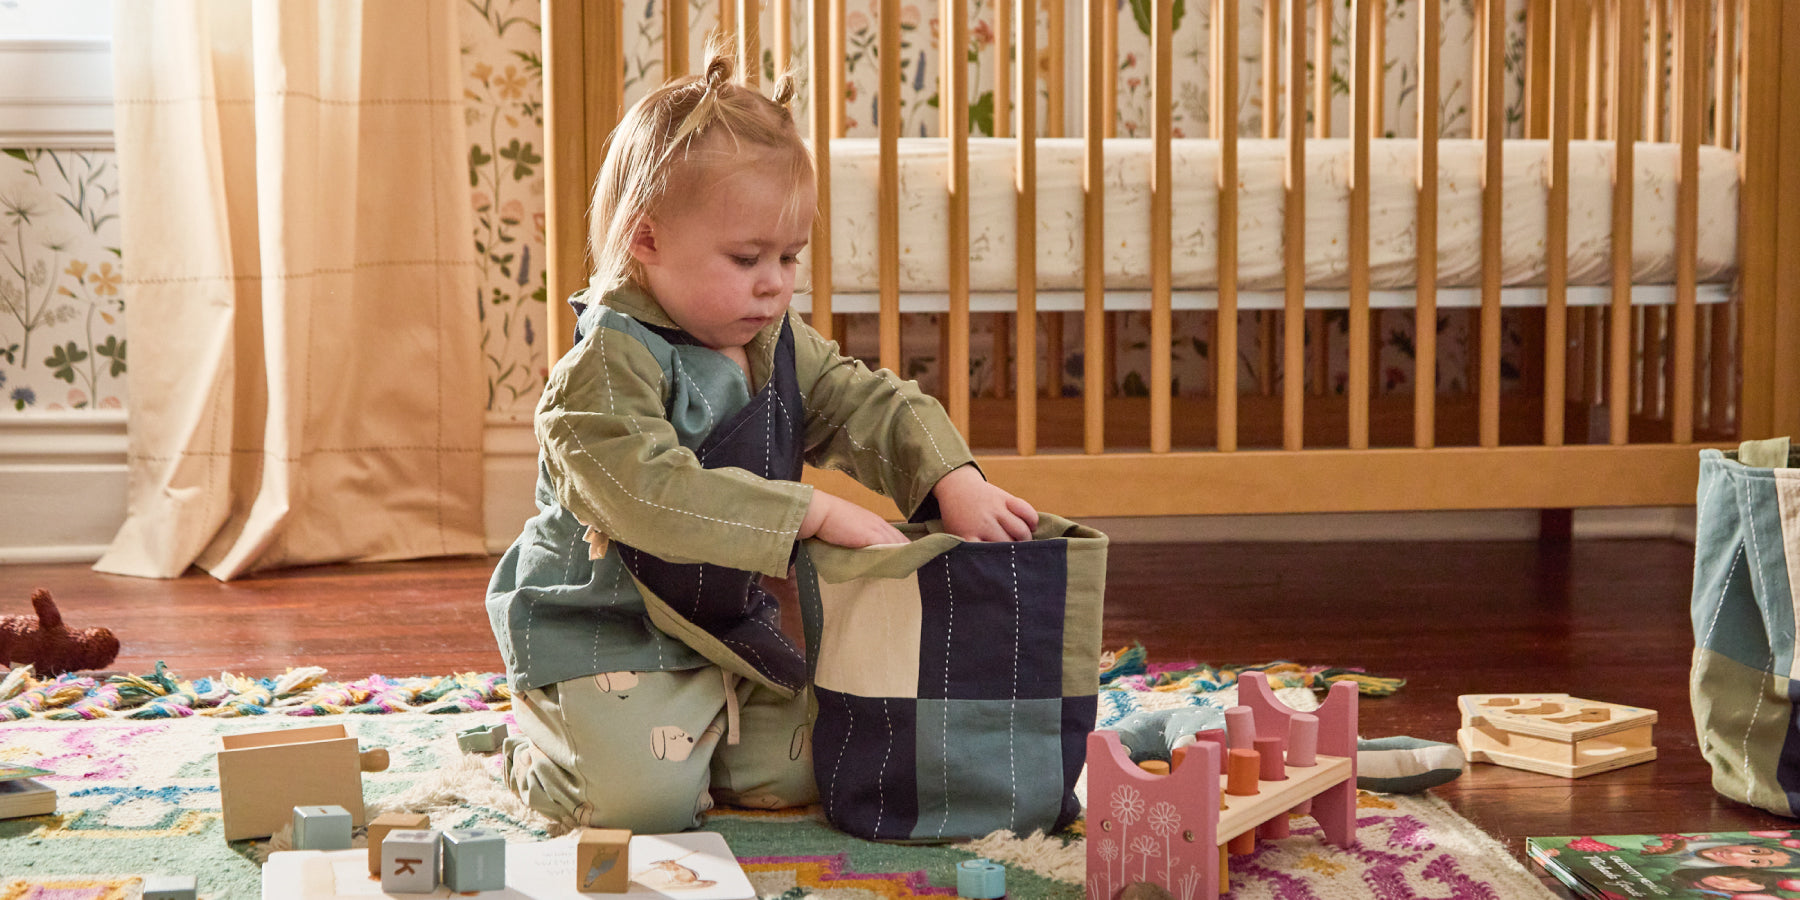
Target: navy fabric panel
[(865, 763), (766, 438), (1078, 717), (1787, 769), (998, 611)]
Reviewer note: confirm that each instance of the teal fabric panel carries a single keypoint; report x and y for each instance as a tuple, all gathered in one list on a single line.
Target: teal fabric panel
[(1002, 762)]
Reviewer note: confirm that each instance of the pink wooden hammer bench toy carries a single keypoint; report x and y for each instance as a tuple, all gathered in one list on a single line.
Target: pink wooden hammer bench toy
[(1232, 786)]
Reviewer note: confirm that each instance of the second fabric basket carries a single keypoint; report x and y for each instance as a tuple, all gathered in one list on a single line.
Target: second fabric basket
[(956, 681)]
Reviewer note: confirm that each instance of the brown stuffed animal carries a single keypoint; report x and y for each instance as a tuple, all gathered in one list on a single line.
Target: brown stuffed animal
[(48, 646)]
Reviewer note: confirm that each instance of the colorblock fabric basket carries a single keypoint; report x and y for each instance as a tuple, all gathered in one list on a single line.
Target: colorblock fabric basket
[(1745, 684), (956, 682)]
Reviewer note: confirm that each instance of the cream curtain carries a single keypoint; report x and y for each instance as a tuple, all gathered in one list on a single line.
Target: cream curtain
[(304, 381)]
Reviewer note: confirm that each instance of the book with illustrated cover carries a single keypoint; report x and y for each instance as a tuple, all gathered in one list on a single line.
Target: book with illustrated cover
[(23, 796), (1678, 866)]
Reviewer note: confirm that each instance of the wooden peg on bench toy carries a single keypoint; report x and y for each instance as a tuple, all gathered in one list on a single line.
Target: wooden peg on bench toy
[(1241, 769), (1240, 728)]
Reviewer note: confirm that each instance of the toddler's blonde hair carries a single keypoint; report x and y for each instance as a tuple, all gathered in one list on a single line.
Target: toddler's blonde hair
[(680, 136)]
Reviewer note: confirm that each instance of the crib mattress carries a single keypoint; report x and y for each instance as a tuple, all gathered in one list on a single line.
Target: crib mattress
[(924, 211)]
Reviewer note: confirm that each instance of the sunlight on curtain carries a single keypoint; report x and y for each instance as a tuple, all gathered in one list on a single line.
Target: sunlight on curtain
[(294, 202)]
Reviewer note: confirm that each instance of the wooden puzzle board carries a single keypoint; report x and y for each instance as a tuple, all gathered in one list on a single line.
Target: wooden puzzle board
[(542, 870), (1557, 717)]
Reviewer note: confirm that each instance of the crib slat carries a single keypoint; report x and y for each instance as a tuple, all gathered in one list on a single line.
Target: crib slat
[(888, 193), (1161, 104), (1626, 66), (1225, 349), (1493, 173), (725, 26), (783, 46), (1322, 56), (1724, 74), (567, 174), (1055, 107), (823, 130), (836, 66), (1293, 315), (953, 98), (1655, 86), (1109, 21), (1356, 392), (1691, 109), (675, 38), (1378, 67), (1537, 69), (1093, 228), (1556, 236), (1271, 69), (749, 40), (1431, 26), (1002, 54), (1025, 262)]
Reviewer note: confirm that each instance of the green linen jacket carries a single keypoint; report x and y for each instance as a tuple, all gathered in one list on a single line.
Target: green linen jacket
[(617, 426)]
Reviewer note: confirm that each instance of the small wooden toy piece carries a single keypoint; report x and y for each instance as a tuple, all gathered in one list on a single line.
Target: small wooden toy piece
[(409, 862), (388, 822), (170, 887), (474, 860), (1168, 832), (1554, 734), (603, 860), (980, 879), (321, 828), (263, 775), (482, 738)]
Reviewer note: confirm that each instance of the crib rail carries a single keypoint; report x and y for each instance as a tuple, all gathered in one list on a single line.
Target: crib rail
[(1612, 403)]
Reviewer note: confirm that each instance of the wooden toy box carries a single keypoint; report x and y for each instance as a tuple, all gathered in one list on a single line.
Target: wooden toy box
[(264, 775)]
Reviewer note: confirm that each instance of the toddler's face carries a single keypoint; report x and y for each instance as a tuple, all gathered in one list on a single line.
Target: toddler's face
[(722, 264)]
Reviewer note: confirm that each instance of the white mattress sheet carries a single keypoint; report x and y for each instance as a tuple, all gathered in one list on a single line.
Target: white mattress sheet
[(1393, 166)]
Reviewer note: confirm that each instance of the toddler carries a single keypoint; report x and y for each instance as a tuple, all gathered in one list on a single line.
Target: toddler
[(650, 674)]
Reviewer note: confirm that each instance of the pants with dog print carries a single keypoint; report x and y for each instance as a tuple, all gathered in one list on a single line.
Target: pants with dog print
[(653, 751)]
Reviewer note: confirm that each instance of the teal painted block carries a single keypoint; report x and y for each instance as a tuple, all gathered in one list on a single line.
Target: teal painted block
[(980, 879), (321, 828), (474, 860), (481, 738)]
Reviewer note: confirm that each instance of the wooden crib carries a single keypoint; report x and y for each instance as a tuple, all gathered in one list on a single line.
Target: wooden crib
[(1620, 383)]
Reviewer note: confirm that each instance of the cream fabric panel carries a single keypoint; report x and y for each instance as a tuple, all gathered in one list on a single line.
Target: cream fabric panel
[(305, 365), (1392, 207)]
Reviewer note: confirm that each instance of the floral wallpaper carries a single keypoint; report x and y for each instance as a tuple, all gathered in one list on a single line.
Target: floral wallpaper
[(62, 335), (62, 319)]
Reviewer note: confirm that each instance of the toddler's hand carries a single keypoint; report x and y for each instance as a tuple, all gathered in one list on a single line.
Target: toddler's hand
[(975, 510), (834, 520)]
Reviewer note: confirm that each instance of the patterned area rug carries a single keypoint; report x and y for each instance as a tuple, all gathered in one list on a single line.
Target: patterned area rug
[(140, 796)]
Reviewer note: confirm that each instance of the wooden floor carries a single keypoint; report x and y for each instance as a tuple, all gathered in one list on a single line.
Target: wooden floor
[(1604, 620)]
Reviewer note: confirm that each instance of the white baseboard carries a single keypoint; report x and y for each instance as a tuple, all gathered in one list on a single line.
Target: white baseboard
[(62, 477)]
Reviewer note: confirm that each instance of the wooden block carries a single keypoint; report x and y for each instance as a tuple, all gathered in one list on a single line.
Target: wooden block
[(409, 862), (170, 887), (603, 860), (387, 822), (474, 860), (264, 775), (321, 828)]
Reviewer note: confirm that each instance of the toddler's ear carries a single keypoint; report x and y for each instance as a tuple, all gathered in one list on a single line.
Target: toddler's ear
[(643, 242)]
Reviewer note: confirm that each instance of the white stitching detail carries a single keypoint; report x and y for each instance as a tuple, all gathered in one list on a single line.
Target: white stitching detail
[(1012, 709), (949, 629), (881, 774)]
